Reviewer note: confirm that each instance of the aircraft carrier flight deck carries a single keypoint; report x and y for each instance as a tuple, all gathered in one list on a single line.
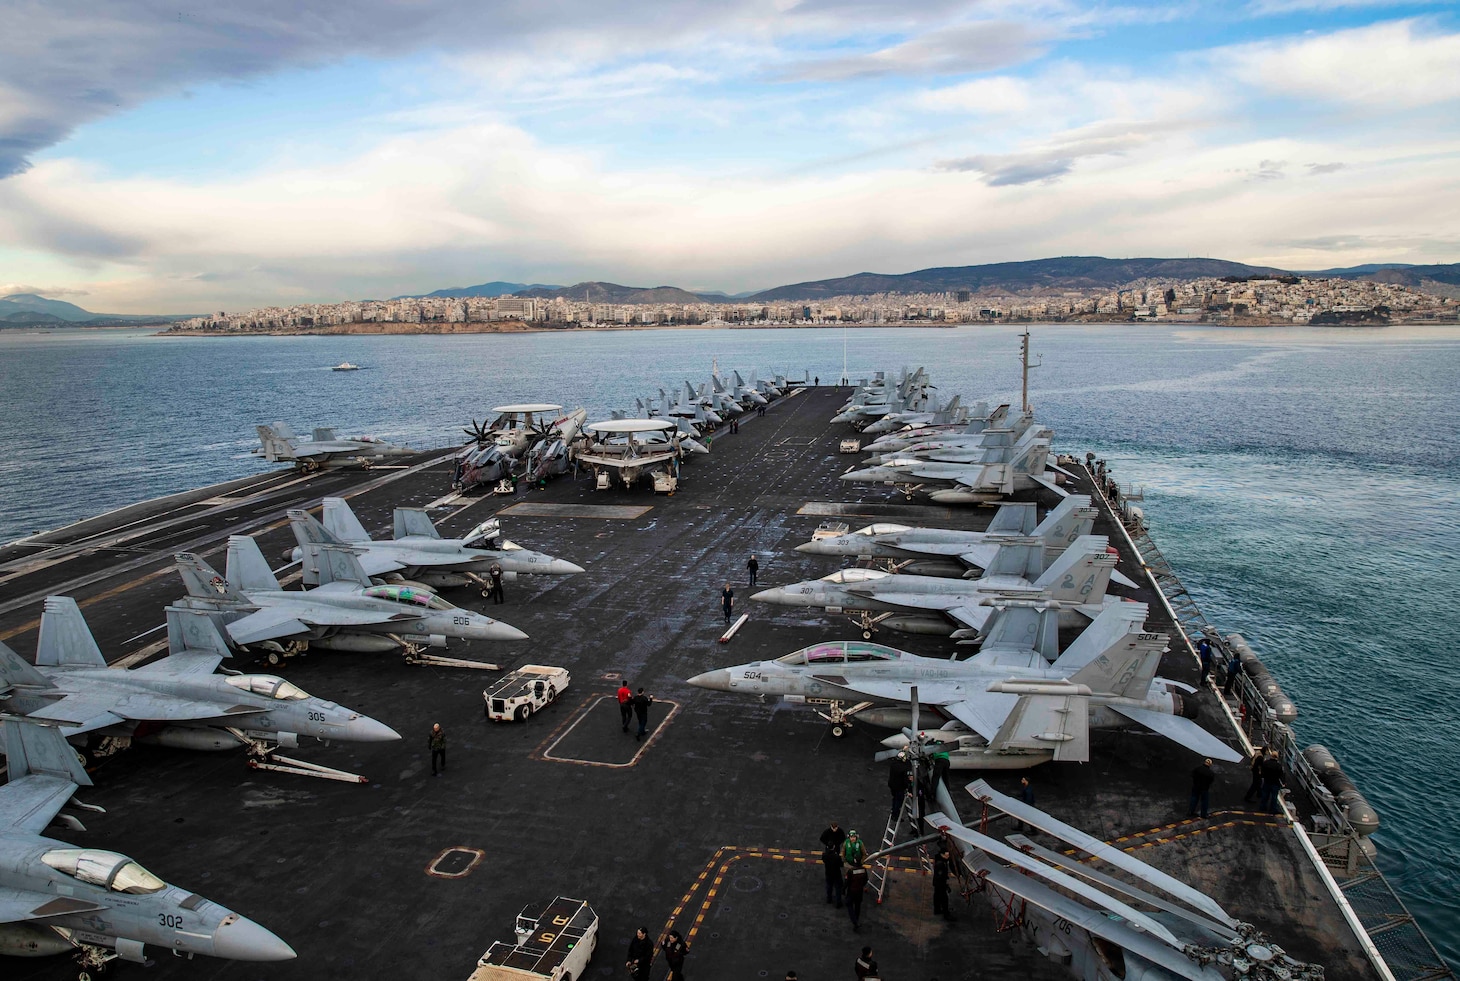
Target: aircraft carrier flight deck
[(708, 826)]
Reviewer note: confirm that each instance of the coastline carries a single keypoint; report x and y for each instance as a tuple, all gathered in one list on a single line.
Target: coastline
[(511, 327)]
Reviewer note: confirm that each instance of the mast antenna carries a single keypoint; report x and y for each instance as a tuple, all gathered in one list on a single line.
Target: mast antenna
[(1024, 358)]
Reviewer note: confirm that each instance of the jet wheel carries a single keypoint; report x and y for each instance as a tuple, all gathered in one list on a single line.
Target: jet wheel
[(838, 731), (866, 635), (274, 658)]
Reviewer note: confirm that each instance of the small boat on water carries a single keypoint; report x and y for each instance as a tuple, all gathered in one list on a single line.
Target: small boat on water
[(345, 366)]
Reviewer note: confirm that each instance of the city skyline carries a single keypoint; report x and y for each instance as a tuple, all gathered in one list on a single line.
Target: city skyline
[(215, 159)]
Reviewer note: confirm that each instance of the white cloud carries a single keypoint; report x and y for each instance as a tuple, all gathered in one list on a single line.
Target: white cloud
[(487, 201), (958, 49), (1394, 65)]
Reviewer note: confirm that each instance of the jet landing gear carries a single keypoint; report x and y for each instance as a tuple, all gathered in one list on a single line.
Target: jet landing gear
[(867, 623), (841, 718), (92, 961)]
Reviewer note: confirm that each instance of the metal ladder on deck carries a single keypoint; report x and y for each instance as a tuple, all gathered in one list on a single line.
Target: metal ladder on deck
[(906, 814)]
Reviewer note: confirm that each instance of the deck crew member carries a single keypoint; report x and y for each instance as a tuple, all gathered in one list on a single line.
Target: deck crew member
[(1204, 653), (866, 966), (831, 862), (498, 596), (1201, 788), (752, 566), (625, 704), (674, 949), (898, 782), (436, 742), (1272, 782), (1254, 788), (727, 601), (855, 887), (941, 863), (853, 850), (833, 837), (641, 709), (1234, 668), (641, 955)]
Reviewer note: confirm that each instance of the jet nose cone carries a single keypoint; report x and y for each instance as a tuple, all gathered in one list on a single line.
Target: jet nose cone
[(497, 630), (808, 547), (368, 730), (717, 680), (776, 595), (241, 939), (562, 567)]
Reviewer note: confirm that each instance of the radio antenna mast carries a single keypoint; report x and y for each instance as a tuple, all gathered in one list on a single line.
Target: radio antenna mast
[(1024, 357)]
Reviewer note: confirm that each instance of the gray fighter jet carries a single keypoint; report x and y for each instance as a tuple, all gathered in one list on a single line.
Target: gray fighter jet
[(946, 552), (996, 473), (56, 898), (1076, 581), (177, 701), (418, 552), (346, 612), (1098, 910), (1005, 708), (951, 414), (981, 419), (325, 449)]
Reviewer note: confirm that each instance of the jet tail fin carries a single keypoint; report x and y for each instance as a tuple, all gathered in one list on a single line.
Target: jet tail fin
[(65, 639), (341, 521), (246, 568), (1013, 519), (195, 630), (203, 581), (414, 523), (1022, 627), (308, 530), (1082, 572), (1125, 668), (32, 749), (1021, 557), (14, 670), (276, 446), (1073, 518), (333, 563), (1108, 629)]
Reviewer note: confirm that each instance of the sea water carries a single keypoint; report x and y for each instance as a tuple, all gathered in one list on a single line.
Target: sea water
[(1303, 481)]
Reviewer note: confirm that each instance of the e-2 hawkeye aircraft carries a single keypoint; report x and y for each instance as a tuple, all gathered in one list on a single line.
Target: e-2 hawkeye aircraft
[(56, 898), (177, 701), (1006, 707), (418, 552)]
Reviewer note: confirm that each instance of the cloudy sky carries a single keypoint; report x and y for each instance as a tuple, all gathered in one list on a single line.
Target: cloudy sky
[(226, 155)]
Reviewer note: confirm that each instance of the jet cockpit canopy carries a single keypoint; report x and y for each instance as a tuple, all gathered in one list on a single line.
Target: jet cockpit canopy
[(100, 868), (268, 685), (410, 596), (841, 652)]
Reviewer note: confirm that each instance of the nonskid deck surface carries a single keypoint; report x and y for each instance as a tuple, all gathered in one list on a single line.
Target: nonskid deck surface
[(713, 822)]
